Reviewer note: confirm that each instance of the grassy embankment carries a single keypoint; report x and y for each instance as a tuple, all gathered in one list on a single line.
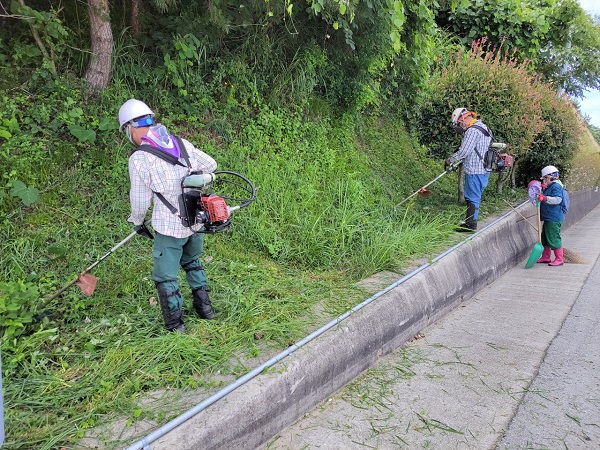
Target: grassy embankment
[(324, 218)]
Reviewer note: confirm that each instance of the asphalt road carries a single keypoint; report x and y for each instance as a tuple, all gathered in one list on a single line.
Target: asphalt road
[(517, 366)]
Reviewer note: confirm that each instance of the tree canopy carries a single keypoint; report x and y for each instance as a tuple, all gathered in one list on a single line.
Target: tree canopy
[(359, 37), (558, 36)]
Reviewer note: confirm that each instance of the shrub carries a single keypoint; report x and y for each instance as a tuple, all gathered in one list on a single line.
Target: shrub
[(557, 142), (505, 94), (16, 307)]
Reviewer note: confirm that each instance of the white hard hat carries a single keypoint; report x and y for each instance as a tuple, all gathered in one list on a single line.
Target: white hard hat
[(133, 109), (458, 113), (549, 170)]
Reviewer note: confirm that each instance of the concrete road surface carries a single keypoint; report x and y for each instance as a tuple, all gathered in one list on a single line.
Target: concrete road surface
[(515, 367)]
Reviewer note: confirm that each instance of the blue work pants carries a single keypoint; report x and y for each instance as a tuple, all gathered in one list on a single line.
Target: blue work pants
[(474, 187)]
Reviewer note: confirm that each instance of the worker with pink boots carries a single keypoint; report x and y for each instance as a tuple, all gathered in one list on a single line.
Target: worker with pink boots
[(552, 212)]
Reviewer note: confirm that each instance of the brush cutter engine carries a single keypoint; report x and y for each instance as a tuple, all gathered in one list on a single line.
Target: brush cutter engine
[(497, 162), (200, 206), (213, 213)]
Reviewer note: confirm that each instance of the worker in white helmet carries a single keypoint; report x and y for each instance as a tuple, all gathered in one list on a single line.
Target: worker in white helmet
[(477, 138), (552, 213), (156, 168)]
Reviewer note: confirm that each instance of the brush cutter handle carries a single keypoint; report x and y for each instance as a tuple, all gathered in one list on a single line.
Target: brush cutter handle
[(452, 166)]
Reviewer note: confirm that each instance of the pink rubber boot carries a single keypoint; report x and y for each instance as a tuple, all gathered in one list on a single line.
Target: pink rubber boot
[(546, 254), (558, 261)]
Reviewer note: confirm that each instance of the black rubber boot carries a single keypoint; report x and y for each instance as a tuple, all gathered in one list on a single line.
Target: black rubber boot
[(173, 319), (469, 225), (202, 303)]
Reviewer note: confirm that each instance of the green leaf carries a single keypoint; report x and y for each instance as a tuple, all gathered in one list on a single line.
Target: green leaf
[(58, 251), (29, 195), (289, 8), (17, 186), (342, 9), (107, 124), (83, 134), (76, 112)]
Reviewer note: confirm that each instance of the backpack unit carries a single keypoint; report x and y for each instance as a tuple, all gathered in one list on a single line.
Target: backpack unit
[(195, 207), (566, 202), (493, 160)]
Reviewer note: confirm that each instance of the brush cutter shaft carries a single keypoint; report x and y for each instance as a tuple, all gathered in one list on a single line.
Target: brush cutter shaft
[(72, 282), (422, 188), (109, 252), (450, 169), (62, 289)]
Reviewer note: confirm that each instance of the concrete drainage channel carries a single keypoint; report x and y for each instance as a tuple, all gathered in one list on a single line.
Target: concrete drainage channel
[(249, 412)]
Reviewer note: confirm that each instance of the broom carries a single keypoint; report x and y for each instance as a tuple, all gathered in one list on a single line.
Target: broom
[(538, 248), (572, 257), (569, 255)]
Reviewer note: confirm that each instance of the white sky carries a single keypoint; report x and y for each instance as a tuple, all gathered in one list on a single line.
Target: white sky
[(590, 105)]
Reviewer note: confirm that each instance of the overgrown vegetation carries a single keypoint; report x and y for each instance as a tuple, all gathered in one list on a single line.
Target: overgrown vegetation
[(316, 109), (323, 220), (559, 39), (540, 127)]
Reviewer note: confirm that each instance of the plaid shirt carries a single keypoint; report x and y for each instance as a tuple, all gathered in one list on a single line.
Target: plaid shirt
[(473, 139), (148, 174)]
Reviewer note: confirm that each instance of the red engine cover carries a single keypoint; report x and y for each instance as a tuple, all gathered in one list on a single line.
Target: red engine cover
[(216, 207), (506, 158)]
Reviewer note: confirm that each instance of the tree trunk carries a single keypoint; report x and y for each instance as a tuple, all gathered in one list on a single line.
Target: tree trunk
[(134, 23), (461, 184), (500, 182), (100, 65), (513, 174)]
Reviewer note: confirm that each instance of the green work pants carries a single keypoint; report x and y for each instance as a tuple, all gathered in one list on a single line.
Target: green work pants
[(551, 234), (170, 254)]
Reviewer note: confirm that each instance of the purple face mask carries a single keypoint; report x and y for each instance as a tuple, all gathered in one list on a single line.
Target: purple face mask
[(157, 136)]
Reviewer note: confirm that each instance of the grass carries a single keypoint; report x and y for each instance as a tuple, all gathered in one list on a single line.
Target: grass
[(374, 389), (288, 266), (97, 355), (584, 173)]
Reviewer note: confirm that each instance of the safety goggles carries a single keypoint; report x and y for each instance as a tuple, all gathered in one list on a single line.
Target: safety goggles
[(145, 122)]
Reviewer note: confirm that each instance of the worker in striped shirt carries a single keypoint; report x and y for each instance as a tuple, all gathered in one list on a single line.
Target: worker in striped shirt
[(476, 140), (155, 175)]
